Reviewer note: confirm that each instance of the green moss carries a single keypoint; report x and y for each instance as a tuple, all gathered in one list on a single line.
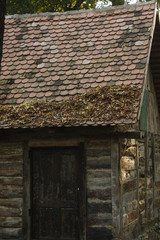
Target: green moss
[(107, 105)]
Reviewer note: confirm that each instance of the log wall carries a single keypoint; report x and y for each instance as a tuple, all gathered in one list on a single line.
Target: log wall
[(122, 188), (11, 190), (98, 180), (99, 199)]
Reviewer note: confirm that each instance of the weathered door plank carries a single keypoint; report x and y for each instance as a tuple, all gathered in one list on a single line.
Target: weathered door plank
[(55, 194)]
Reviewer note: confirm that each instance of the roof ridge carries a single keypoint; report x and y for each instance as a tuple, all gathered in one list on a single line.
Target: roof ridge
[(73, 12)]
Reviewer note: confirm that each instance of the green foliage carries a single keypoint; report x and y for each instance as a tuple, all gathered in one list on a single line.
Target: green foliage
[(37, 6), (18, 6), (117, 2)]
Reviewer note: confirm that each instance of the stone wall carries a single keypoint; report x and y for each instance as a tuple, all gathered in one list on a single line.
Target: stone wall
[(99, 201), (11, 190), (129, 188), (140, 188)]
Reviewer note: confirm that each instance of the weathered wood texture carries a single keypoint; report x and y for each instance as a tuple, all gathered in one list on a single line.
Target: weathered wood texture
[(122, 187), (149, 197), (11, 190), (150, 179), (142, 182), (157, 175), (99, 202), (116, 193), (153, 112), (56, 190)]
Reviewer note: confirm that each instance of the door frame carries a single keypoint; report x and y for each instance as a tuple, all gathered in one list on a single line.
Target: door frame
[(27, 186)]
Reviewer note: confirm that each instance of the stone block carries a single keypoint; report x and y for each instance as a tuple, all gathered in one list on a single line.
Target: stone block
[(127, 163), (141, 205), (132, 216), (129, 186), (131, 151)]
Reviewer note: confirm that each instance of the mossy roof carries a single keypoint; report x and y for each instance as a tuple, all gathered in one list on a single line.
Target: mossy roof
[(99, 107), (76, 68)]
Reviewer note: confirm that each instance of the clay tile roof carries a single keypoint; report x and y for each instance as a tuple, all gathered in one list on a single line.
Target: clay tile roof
[(57, 60)]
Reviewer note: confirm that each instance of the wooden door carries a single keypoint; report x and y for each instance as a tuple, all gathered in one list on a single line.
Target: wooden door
[(55, 194)]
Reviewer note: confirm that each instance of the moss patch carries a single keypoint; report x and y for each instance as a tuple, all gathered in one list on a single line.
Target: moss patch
[(100, 106)]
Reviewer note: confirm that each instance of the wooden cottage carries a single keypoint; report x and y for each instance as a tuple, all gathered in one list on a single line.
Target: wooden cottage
[(79, 125)]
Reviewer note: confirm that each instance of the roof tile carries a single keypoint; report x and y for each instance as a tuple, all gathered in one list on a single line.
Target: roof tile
[(57, 56)]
